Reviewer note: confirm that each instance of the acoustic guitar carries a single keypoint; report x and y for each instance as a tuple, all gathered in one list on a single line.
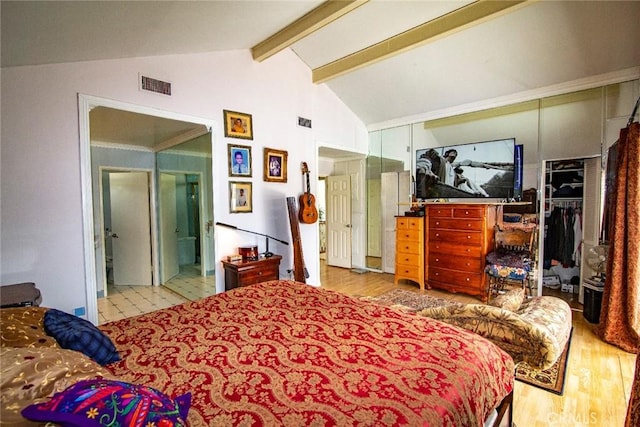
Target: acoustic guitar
[(308, 211)]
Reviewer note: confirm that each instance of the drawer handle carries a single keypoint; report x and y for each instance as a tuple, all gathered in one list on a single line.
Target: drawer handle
[(260, 273), (468, 237), (437, 222), (406, 259), (437, 259), (468, 279), (437, 234), (437, 274), (466, 212), (406, 247)]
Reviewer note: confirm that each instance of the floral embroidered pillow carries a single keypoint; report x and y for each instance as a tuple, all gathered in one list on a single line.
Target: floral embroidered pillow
[(101, 402)]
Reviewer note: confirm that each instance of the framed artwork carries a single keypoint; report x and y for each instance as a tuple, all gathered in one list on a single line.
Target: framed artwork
[(275, 165), (237, 125), (240, 197), (239, 160)]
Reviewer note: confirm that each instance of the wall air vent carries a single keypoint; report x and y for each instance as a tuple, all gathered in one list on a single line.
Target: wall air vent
[(155, 85)]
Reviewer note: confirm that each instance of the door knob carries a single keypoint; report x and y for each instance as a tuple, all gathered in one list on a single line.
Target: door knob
[(114, 235)]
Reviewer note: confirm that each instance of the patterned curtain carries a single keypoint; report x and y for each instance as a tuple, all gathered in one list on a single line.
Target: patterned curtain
[(620, 314), (633, 410)]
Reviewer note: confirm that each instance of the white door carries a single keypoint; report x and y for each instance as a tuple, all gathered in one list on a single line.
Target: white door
[(168, 227), (339, 221), (131, 227)]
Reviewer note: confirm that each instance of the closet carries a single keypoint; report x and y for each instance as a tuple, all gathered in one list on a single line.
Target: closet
[(563, 193), (571, 220)]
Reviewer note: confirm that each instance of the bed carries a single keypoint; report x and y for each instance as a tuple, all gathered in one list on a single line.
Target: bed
[(282, 352), (285, 353)]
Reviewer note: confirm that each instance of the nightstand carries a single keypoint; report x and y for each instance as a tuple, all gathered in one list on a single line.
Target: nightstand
[(244, 273)]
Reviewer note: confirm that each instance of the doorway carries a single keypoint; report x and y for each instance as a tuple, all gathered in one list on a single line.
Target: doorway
[(181, 228), (571, 211), (162, 131)]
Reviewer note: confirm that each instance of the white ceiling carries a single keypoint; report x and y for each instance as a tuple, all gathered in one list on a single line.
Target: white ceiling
[(538, 48)]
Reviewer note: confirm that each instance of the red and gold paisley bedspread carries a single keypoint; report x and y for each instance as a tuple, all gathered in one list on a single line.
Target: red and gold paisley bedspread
[(285, 353)]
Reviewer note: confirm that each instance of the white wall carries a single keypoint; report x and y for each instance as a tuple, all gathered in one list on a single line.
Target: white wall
[(41, 218)]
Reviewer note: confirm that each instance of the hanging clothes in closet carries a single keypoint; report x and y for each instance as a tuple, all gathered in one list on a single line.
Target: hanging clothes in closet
[(562, 244)]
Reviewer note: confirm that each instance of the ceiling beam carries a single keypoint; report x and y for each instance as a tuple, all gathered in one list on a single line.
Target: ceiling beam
[(442, 26), (322, 15)]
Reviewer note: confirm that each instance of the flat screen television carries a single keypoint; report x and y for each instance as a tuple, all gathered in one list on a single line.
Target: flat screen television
[(487, 169)]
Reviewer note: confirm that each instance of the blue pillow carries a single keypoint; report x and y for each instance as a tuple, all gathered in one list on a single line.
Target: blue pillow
[(74, 333), (101, 402)]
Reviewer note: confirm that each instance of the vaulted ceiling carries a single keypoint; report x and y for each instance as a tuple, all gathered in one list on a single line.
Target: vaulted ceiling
[(389, 61)]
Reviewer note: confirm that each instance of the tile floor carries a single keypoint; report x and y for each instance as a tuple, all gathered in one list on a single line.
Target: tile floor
[(128, 301)]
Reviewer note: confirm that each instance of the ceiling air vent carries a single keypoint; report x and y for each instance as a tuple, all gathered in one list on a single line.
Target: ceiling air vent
[(155, 85)]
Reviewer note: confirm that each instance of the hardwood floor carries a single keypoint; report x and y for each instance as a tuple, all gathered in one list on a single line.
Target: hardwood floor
[(598, 379)]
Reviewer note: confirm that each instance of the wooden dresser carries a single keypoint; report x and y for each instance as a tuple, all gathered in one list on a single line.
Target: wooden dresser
[(458, 238), (410, 248), (243, 273)]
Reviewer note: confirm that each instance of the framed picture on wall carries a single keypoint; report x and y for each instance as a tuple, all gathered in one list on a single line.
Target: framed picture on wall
[(239, 160), (240, 197), (275, 165), (237, 125)]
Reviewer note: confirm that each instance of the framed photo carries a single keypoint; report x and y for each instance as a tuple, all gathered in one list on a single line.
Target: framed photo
[(240, 197), (275, 165), (239, 160), (237, 125)]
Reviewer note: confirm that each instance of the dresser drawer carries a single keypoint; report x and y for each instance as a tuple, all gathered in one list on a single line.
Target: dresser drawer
[(456, 224), (407, 235), (459, 279), (409, 246), (409, 223), (460, 237), (406, 258), (464, 263), (257, 275), (409, 272), (440, 211), (454, 250), (468, 212)]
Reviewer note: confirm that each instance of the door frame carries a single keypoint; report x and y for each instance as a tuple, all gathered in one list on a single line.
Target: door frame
[(85, 104), (204, 255), (153, 218)]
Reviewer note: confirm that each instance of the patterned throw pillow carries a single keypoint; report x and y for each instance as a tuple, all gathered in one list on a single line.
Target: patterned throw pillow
[(510, 300), (102, 402), (33, 375), (23, 327), (78, 334)]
